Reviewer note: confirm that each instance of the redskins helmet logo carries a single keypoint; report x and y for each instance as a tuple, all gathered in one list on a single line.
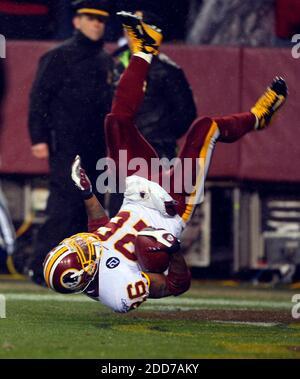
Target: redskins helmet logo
[(70, 279)]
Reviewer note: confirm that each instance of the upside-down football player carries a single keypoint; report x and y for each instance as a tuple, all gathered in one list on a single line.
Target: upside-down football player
[(105, 263)]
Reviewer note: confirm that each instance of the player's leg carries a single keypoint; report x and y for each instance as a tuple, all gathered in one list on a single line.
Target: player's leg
[(198, 148), (205, 132), (188, 175), (234, 127), (121, 133)]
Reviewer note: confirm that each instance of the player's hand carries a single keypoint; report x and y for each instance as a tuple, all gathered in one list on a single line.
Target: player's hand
[(40, 150), (81, 179)]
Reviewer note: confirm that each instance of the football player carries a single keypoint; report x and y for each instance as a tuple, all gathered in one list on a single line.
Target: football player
[(103, 263)]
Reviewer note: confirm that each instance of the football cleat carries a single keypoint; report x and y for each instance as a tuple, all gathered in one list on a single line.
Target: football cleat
[(144, 38), (269, 103)]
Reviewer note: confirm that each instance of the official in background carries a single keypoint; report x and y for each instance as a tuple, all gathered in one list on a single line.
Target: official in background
[(168, 108), (70, 97)]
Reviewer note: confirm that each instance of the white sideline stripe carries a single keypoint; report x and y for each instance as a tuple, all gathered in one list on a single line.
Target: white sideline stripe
[(180, 302), (221, 302), (216, 301), (251, 323), (38, 297)]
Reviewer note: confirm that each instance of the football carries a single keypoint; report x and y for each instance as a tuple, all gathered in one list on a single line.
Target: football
[(151, 249)]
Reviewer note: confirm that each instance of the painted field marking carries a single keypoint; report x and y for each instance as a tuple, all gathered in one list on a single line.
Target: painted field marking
[(221, 302), (2, 306), (249, 323), (54, 297), (184, 302)]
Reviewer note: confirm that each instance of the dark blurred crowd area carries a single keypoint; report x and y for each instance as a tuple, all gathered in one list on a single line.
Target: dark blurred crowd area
[(253, 23), (231, 22), (52, 19)]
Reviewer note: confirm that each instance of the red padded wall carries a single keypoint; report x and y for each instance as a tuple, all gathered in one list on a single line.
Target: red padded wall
[(21, 65)]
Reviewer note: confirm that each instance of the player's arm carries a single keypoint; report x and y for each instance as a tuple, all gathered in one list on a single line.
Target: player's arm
[(176, 282), (94, 209), (95, 212)]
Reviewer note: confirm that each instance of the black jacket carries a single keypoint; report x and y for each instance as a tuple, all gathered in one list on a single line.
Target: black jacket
[(2, 82), (70, 97), (168, 109)]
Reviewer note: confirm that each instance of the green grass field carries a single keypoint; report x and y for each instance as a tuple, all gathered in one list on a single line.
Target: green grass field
[(210, 321)]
